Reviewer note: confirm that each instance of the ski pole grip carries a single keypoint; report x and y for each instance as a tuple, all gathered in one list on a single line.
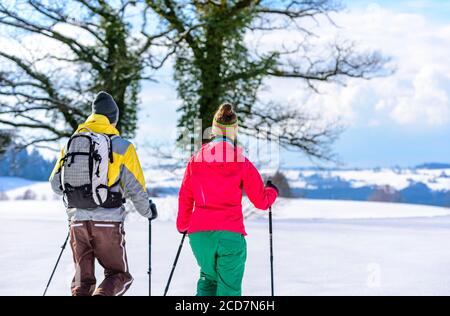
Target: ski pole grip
[(273, 186), (154, 210)]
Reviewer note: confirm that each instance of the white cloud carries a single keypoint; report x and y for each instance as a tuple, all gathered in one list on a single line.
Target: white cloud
[(419, 91), (427, 101)]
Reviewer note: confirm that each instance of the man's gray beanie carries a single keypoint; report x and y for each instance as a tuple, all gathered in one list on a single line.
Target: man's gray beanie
[(104, 104)]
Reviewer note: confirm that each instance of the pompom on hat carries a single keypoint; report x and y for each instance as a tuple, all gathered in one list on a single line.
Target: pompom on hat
[(225, 122)]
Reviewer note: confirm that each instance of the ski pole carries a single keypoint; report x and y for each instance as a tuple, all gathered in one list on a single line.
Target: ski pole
[(149, 257), (271, 250), (269, 183), (152, 218), (174, 264), (57, 262)]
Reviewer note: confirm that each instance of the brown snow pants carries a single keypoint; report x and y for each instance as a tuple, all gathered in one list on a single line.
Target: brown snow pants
[(104, 241)]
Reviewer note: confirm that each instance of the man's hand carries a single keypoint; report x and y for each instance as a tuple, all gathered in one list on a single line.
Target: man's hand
[(154, 211)]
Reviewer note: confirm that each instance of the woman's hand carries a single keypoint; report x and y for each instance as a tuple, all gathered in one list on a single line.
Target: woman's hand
[(269, 184)]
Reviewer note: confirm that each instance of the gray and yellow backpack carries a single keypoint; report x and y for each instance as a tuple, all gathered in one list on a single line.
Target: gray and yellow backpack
[(84, 172)]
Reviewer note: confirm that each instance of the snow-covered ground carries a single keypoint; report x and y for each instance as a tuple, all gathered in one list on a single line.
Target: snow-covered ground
[(321, 248)]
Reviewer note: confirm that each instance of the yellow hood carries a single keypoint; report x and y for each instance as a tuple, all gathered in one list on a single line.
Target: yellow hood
[(98, 124)]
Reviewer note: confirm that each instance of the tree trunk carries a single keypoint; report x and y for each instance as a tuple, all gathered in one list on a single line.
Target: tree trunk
[(211, 88)]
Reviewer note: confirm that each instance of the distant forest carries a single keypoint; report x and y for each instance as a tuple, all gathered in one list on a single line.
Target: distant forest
[(29, 165)]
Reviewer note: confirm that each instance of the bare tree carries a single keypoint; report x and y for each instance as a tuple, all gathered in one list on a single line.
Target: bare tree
[(3, 196), (6, 138), (282, 183), (385, 193), (97, 47), (28, 195)]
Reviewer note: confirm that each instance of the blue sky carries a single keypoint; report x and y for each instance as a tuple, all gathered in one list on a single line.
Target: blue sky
[(401, 120), (435, 9), (389, 143)]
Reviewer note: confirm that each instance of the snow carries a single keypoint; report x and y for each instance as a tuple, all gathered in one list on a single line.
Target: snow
[(369, 177), (435, 179), (164, 178), (398, 179), (329, 209), (301, 184), (321, 248), (440, 184), (42, 190)]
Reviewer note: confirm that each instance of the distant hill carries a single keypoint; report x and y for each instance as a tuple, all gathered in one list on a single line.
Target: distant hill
[(433, 166), (399, 185), (427, 184)]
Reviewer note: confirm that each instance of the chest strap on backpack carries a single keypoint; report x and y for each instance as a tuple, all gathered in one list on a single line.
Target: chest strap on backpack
[(72, 155)]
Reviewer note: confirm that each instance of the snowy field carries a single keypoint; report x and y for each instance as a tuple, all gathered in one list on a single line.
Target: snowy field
[(321, 248)]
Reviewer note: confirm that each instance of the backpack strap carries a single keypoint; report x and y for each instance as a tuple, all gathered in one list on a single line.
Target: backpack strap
[(110, 153)]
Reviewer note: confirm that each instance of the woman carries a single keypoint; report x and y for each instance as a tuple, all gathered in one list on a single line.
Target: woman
[(210, 207)]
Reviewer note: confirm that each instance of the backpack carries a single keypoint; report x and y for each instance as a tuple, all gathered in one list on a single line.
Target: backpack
[(84, 172)]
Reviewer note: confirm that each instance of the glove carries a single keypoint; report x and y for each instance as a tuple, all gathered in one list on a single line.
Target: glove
[(269, 184), (154, 214)]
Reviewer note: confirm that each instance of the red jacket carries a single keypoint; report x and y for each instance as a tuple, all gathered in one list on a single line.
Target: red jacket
[(211, 193)]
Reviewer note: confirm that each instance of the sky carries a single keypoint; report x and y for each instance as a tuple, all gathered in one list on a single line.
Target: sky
[(400, 120)]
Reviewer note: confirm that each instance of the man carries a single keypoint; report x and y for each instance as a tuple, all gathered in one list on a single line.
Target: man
[(98, 233)]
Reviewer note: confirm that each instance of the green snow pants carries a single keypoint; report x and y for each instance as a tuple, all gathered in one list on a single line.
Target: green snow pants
[(221, 256)]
